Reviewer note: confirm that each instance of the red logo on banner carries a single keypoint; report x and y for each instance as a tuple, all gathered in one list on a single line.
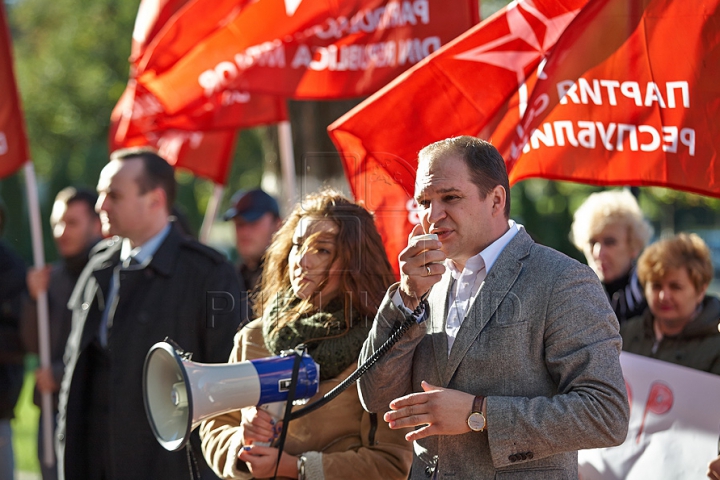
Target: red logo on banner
[(659, 402)]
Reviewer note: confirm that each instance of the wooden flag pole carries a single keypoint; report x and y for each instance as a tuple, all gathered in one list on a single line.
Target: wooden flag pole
[(287, 161), (48, 415)]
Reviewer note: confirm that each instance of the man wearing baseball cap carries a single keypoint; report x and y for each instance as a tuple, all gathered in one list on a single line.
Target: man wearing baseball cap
[(257, 218)]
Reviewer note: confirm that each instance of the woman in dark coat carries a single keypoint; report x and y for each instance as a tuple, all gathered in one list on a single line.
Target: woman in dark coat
[(680, 324)]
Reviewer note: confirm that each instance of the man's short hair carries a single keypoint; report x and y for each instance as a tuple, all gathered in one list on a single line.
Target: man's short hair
[(69, 195), (157, 172), (486, 165)]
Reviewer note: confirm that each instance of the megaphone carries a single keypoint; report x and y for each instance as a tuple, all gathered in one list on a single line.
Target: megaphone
[(179, 393)]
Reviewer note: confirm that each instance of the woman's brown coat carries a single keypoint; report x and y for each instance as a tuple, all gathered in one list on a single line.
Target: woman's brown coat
[(336, 439)]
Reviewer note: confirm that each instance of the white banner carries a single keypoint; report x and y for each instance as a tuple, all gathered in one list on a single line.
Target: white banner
[(674, 425)]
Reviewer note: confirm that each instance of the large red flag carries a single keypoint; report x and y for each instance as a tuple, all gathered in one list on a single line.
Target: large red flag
[(311, 49), (13, 140), (472, 86), (640, 107), (200, 140)]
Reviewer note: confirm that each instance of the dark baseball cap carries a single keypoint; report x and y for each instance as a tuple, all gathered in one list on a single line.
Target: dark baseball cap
[(250, 205)]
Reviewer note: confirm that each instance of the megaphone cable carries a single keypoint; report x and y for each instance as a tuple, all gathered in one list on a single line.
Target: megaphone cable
[(299, 350), (410, 320)]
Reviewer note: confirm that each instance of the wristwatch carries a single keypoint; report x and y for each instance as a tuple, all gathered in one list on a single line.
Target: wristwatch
[(476, 420)]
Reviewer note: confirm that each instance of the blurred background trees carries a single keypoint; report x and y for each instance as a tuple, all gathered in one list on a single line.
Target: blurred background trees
[(71, 64)]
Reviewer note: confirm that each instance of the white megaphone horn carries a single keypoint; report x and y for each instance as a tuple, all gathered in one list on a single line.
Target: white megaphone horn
[(179, 393)]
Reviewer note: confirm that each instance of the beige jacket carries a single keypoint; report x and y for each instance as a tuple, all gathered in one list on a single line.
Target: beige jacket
[(335, 438)]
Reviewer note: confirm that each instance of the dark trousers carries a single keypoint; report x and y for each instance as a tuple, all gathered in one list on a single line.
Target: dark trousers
[(99, 455)]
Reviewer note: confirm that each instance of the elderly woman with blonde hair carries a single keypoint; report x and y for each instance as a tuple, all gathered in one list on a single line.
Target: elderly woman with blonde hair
[(610, 229), (680, 324)]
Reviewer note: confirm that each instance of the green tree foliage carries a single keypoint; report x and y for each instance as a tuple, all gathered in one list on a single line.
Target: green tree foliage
[(71, 66), (546, 209)]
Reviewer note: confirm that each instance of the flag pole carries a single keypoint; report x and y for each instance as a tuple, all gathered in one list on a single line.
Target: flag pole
[(211, 212), (42, 312), (287, 162)]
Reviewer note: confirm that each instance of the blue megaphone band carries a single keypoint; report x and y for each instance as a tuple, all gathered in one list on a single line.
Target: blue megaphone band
[(275, 374)]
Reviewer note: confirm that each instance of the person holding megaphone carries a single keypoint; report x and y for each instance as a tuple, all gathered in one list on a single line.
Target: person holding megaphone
[(325, 275)]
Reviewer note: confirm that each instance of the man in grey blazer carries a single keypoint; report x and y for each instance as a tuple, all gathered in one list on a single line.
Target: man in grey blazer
[(513, 365)]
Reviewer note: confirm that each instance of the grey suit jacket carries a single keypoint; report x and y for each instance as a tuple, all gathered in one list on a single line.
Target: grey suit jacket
[(540, 341)]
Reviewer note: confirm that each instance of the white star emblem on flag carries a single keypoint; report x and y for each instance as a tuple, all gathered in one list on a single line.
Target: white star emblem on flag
[(291, 6), (520, 29)]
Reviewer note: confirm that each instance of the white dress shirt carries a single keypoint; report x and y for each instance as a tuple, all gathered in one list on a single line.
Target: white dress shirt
[(467, 282), (142, 255)]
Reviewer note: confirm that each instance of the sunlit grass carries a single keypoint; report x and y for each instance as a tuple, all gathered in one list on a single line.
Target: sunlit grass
[(25, 424)]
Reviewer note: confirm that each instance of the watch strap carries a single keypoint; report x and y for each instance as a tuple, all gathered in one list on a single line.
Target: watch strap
[(477, 404)]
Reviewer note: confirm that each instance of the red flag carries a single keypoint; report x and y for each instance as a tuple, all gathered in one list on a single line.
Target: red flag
[(138, 113), (201, 140), (307, 49), (193, 150), (205, 154), (640, 107), (152, 16), (13, 140), (475, 85)]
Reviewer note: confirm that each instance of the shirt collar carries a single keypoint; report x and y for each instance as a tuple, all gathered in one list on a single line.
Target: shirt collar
[(487, 257), (144, 252)]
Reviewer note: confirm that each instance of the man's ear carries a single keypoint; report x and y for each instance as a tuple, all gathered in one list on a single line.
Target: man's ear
[(158, 199), (96, 226), (499, 198)]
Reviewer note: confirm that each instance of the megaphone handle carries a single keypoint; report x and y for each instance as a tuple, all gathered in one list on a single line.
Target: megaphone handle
[(276, 410)]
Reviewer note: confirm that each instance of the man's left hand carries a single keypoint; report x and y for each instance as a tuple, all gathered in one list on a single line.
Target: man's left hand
[(441, 410), (45, 381)]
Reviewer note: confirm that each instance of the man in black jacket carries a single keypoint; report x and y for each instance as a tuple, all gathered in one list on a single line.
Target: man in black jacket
[(144, 283), (76, 229), (12, 286)]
